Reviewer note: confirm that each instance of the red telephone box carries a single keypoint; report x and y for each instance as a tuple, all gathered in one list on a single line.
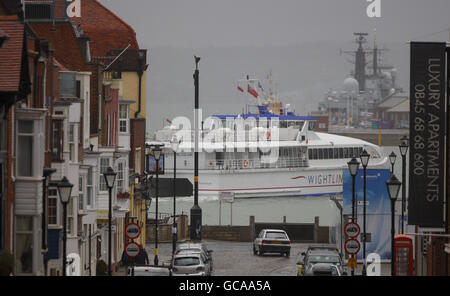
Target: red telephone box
[(403, 255)]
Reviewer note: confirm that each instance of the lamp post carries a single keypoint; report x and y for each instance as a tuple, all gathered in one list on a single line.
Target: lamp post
[(364, 161), (393, 186), (64, 191), (156, 149), (196, 211), (392, 158), (174, 143), (353, 166), (404, 145), (110, 177)]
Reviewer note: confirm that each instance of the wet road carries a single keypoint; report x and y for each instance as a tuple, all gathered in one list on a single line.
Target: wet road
[(237, 259)]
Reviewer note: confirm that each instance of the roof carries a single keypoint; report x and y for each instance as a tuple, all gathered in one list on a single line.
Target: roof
[(67, 51), (11, 53), (105, 29), (402, 107)]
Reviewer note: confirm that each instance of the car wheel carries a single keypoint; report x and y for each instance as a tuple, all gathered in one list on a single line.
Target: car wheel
[(288, 253), (254, 250), (260, 252)]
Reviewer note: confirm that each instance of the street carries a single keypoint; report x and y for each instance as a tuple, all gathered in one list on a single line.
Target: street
[(237, 259)]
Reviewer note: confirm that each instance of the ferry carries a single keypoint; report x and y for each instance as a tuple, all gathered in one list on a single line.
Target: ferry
[(302, 161)]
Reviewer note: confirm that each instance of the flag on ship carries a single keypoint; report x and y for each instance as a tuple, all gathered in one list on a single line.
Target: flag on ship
[(240, 89), (252, 91)]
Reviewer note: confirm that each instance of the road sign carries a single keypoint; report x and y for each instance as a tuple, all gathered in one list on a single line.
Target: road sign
[(352, 229), (351, 262), (132, 249), (366, 237), (352, 246), (226, 196), (184, 187), (132, 231)]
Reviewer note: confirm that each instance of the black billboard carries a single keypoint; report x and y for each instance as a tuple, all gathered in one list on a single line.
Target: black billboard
[(427, 134)]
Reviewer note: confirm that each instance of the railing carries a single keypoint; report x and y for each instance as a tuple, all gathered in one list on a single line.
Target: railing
[(238, 164)]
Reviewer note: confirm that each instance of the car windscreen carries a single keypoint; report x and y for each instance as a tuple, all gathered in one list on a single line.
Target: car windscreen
[(323, 259), (187, 261), (276, 235), (189, 250)]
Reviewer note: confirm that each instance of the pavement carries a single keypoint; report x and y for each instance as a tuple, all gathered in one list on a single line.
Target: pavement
[(237, 259)]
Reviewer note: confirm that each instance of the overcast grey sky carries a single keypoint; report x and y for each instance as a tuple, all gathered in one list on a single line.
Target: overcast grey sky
[(283, 35)]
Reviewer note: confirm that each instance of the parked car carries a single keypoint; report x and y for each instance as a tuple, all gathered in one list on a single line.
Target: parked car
[(323, 269), (314, 255), (149, 271), (190, 264), (196, 247), (272, 241)]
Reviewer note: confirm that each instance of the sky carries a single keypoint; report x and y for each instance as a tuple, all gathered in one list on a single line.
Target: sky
[(299, 40)]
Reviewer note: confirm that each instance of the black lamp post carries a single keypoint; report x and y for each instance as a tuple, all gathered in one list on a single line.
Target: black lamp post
[(364, 161), (174, 143), (353, 166), (404, 145), (393, 187), (110, 177), (157, 154), (64, 191), (392, 158), (196, 211)]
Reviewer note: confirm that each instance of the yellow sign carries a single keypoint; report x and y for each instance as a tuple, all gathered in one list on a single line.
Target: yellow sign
[(351, 263), (196, 179)]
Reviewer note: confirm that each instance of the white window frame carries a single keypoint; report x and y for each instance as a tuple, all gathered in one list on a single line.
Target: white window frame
[(71, 142), (55, 197), (120, 179), (31, 154), (102, 183), (90, 188), (126, 119), (137, 160)]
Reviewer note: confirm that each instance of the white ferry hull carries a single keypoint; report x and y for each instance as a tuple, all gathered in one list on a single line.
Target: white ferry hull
[(268, 182)]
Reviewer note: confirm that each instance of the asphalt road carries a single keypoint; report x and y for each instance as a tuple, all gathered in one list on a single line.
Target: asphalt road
[(237, 259)]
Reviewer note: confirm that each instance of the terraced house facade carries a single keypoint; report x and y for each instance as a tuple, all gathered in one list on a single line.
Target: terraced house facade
[(72, 104)]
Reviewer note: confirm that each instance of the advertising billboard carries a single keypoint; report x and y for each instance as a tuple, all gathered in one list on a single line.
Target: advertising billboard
[(378, 209), (427, 134)]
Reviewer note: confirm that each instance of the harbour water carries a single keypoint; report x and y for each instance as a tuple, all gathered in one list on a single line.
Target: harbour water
[(296, 209)]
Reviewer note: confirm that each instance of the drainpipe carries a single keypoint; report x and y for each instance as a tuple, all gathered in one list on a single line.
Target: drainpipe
[(140, 72)]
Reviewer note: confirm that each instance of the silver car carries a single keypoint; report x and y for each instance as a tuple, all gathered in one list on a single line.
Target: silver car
[(197, 247), (190, 264), (272, 241)]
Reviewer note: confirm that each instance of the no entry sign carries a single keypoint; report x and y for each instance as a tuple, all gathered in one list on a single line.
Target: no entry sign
[(351, 229), (132, 249), (352, 246), (132, 231)]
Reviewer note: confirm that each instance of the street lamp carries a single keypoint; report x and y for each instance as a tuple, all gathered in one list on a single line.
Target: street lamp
[(393, 186), (392, 158), (156, 149), (196, 211), (174, 143), (404, 145), (353, 166), (110, 177), (64, 191), (364, 161)]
